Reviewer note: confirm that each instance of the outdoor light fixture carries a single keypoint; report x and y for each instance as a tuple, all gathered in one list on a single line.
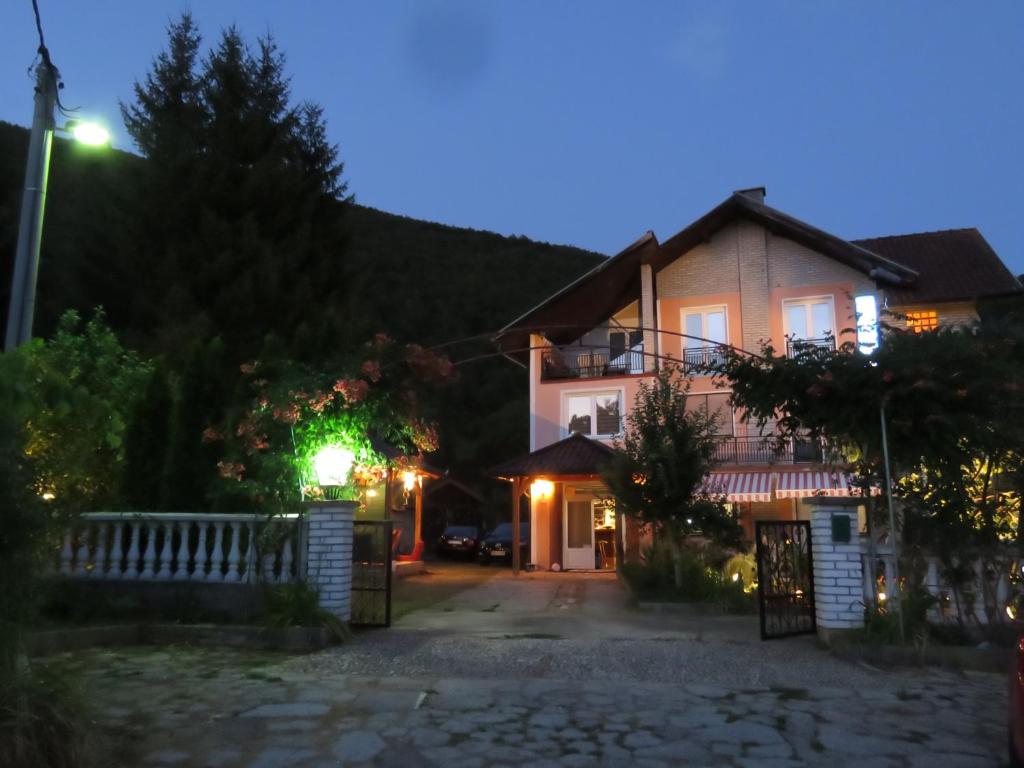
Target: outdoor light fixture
[(882, 597), (408, 480), (735, 577), (371, 493), (91, 134), (542, 489), (332, 465)]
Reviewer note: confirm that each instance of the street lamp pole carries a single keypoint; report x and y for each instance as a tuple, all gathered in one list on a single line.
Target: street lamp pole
[(33, 203)]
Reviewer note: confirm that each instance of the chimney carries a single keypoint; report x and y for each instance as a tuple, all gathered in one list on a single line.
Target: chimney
[(754, 193)]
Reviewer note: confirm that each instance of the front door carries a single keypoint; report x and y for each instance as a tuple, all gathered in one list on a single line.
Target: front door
[(579, 534)]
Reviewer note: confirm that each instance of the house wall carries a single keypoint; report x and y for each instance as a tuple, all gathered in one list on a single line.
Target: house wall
[(547, 418), (546, 529)]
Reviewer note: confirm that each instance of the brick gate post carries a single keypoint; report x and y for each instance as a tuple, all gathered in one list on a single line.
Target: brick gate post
[(838, 569), (329, 554)]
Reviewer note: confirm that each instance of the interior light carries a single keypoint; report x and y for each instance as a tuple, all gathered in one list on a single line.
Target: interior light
[(332, 465)]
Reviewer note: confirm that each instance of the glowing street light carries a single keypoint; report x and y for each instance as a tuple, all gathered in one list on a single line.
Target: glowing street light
[(332, 465), (90, 134)]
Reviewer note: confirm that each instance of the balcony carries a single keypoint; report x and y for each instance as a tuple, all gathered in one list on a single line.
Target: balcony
[(744, 451), (559, 364), (796, 347), (702, 361)]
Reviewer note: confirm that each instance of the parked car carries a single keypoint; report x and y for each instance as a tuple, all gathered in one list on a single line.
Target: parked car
[(1016, 739), (458, 541), (497, 545)]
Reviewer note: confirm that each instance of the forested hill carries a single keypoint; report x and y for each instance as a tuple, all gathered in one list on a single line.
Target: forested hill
[(428, 282), (416, 280)]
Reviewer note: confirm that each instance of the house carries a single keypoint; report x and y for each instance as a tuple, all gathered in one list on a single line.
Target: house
[(741, 274)]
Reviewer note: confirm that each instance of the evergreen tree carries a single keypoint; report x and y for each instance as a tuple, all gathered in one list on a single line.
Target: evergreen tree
[(145, 444)]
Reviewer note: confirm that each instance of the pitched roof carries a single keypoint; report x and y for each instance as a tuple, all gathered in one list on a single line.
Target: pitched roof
[(575, 455), (598, 294), (952, 264)]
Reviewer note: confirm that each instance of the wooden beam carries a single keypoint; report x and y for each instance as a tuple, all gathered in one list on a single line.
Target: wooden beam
[(517, 493), (418, 525)]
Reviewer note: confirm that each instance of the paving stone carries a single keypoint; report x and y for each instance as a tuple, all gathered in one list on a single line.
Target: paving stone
[(358, 746), (218, 757), (293, 709), (168, 757), (271, 757), (740, 732), (640, 739)]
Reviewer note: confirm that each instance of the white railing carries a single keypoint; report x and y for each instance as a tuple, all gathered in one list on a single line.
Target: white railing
[(178, 546), (983, 597)]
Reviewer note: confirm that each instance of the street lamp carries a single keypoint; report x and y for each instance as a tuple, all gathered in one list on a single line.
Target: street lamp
[(33, 200)]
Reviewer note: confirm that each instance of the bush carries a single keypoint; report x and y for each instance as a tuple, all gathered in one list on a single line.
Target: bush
[(298, 605), (654, 578), (39, 721)]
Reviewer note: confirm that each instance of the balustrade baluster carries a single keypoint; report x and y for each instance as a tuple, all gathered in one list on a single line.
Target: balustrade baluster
[(181, 558), (99, 559), (66, 555), (250, 554), (286, 560), (149, 556), (235, 552), (217, 561), (202, 557), (269, 561), (131, 567), (81, 567), (116, 570), (166, 548)]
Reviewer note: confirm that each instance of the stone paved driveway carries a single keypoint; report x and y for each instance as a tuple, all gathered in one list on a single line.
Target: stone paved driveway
[(548, 670), (202, 707)]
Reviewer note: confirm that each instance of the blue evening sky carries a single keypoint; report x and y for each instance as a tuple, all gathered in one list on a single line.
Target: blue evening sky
[(590, 122)]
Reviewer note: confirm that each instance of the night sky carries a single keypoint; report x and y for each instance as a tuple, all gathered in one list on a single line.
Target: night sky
[(590, 122)]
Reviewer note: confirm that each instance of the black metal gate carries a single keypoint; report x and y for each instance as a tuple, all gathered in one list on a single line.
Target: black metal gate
[(785, 578), (371, 573)]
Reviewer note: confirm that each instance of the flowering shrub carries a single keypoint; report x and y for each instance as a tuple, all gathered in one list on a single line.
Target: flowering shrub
[(366, 406)]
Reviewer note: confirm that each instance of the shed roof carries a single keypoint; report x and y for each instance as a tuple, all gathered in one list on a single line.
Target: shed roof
[(575, 455)]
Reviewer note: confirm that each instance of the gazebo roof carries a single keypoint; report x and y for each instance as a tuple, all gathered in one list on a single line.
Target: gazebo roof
[(575, 455)]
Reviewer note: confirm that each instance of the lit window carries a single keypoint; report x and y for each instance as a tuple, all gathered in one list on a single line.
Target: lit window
[(923, 320), (867, 323), (595, 415)]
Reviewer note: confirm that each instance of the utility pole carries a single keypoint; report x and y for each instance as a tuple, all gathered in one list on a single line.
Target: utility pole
[(33, 203), (896, 595)]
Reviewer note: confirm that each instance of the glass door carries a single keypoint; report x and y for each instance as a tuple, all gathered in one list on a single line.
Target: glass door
[(579, 534)]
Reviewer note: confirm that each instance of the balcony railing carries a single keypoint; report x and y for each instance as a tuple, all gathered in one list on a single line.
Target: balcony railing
[(702, 360), (588, 364), (796, 346), (741, 451)]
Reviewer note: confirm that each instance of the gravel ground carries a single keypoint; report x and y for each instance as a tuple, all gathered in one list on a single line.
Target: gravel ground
[(795, 663)]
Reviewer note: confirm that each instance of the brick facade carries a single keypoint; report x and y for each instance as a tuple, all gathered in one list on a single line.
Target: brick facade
[(329, 554)]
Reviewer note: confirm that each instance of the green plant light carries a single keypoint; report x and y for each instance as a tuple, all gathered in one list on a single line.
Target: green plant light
[(332, 465)]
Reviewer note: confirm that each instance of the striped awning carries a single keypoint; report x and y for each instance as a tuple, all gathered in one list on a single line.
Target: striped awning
[(741, 486), (800, 485)]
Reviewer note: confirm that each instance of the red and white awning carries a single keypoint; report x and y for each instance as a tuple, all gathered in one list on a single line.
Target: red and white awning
[(741, 486), (800, 485)]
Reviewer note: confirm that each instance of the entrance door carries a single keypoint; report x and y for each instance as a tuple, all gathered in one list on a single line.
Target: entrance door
[(579, 534)]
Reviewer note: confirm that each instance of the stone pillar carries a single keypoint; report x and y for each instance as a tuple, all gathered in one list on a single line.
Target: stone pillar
[(329, 554), (838, 569)]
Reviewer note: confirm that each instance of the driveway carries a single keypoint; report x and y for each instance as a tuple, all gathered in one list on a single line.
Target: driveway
[(544, 670)]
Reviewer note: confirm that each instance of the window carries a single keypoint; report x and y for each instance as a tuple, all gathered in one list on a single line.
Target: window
[(705, 327), (595, 415), (922, 320), (809, 319), (867, 323), (716, 404)]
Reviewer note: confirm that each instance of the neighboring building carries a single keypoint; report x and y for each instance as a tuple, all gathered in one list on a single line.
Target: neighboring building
[(742, 274)]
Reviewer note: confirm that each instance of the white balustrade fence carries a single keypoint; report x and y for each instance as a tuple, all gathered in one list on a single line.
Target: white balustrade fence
[(983, 597), (174, 546)]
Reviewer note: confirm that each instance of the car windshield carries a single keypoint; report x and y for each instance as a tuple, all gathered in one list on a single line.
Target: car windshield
[(460, 530), (504, 531)]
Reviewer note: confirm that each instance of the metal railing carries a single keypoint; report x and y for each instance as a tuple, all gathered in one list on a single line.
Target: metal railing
[(796, 346), (741, 451), (586, 364), (702, 360)]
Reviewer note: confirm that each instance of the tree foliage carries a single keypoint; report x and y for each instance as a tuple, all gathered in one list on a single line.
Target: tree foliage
[(659, 474)]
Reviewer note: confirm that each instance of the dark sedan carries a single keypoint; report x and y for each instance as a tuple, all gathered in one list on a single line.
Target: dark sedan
[(497, 545), (458, 541)]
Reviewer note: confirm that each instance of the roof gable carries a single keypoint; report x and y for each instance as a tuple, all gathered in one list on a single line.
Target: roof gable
[(575, 455)]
